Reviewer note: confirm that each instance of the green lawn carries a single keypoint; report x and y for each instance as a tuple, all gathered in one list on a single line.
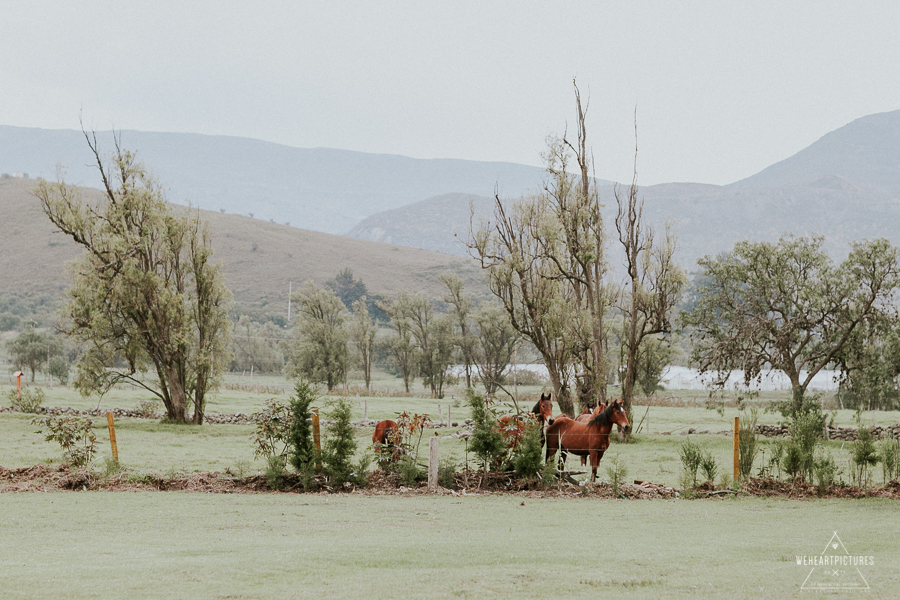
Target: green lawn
[(182, 545)]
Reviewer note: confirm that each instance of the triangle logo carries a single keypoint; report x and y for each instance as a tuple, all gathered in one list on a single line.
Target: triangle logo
[(835, 568)]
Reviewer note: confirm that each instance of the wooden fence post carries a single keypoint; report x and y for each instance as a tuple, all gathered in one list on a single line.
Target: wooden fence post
[(433, 463), (737, 453), (112, 435), (316, 439)]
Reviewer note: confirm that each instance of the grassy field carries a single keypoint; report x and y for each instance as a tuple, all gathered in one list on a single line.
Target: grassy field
[(181, 545), (195, 545), (147, 446)]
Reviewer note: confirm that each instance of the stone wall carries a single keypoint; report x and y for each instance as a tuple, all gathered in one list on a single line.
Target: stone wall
[(834, 433)]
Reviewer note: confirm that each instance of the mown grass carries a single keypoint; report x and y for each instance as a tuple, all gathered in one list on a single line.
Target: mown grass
[(182, 545)]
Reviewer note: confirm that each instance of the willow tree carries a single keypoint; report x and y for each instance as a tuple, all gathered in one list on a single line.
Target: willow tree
[(653, 286), (787, 307), (319, 349), (146, 296), (546, 258)]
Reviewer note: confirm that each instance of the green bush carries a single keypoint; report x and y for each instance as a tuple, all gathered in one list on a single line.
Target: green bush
[(340, 444), (825, 470), (617, 472), (300, 436), (889, 454), (864, 456), (486, 441), (709, 466), (29, 401), (528, 458), (272, 431), (275, 472), (747, 443), (59, 369), (409, 471), (691, 459), (447, 468), (74, 435)]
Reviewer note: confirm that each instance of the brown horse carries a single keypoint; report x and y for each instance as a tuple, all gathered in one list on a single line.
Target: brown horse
[(512, 428), (585, 417), (384, 436), (586, 439)]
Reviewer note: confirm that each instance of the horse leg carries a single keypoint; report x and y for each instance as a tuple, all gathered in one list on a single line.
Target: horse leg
[(595, 462)]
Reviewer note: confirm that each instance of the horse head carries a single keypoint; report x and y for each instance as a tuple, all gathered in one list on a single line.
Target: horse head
[(618, 415), (543, 410)]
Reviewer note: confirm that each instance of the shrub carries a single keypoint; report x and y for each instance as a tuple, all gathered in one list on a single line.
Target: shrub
[(409, 471), (486, 442), (889, 454), (273, 428), (777, 459), (864, 456), (805, 430), (74, 435), (149, 408), (275, 472), (447, 468), (747, 443), (528, 458), (59, 368), (824, 469), (617, 472), (300, 435), (340, 443), (29, 401), (691, 459), (709, 467)]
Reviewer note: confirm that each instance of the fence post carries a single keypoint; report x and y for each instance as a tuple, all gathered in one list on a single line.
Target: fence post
[(112, 435), (316, 439), (433, 463), (737, 453)]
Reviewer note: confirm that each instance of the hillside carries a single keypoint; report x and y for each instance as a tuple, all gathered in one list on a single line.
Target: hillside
[(260, 258), (317, 189), (846, 187), (866, 151)]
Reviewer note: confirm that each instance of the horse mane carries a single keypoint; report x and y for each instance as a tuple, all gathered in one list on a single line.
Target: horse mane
[(537, 408), (604, 417)]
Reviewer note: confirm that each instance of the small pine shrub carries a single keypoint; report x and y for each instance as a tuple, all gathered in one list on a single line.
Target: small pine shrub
[(74, 435), (447, 468), (691, 459), (889, 454), (864, 455), (825, 470), (617, 472), (409, 471), (709, 467), (30, 400), (275, 472), (302, 450), (528, 458), (340, 443)]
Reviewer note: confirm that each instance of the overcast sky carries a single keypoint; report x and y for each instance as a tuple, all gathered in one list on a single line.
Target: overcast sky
[(722, 89)]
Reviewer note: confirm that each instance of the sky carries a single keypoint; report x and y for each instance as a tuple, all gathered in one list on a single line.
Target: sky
[(718, 90)]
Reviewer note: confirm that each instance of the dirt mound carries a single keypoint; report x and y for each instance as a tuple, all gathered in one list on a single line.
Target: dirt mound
[(46, 478)]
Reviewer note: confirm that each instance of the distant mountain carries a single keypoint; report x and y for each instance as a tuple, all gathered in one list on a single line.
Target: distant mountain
[(317, 189), (866, 151), (846, 187), (259, 258)]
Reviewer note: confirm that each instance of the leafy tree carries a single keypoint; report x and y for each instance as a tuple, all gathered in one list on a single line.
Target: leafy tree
[(347, 289), (256, 346), (32, 350), (399, 344), (653, 288), (497, 341), (319, 350), (362, 335), (786, 306), (431, 336), (145, 295), (546, 259), (464, 338), (870, 362), (486, 441)]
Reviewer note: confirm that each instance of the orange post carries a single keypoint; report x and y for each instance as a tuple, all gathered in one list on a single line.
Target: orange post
[(19, 383), (737, 451), (112, 436), (316, 439)]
